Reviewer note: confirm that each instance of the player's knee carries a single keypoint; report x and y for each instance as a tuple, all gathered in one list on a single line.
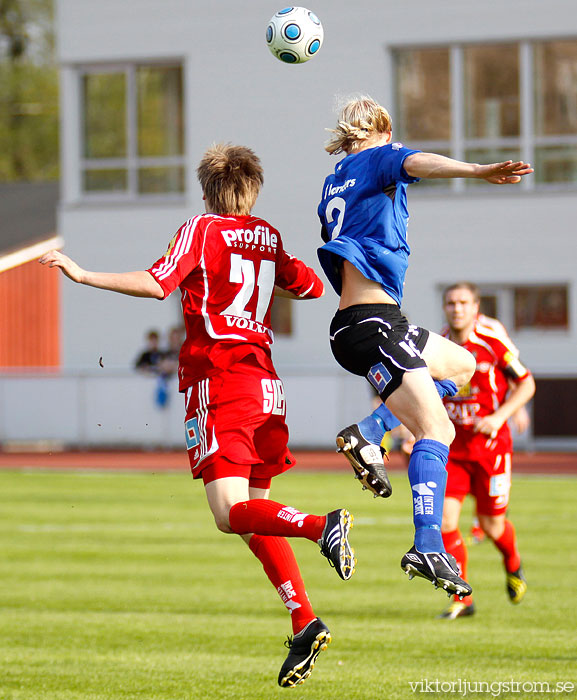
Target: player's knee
[(450, 431), (222, 522), (443, 430), (492, 528), (437, 426), (224, 527), (468, 368)]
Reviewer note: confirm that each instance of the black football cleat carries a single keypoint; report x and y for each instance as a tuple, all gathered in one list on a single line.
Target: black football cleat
[(438, 567), (335, 544), (304, 648), (516, 585), (366, 459)]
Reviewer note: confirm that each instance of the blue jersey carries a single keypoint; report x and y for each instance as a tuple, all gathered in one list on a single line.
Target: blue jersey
[(364, 216)]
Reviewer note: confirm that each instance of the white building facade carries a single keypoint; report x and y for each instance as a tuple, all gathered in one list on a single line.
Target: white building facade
[(147, 86)]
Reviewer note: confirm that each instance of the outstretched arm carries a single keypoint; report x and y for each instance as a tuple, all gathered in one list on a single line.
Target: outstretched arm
[(432, 165), (136, 284)]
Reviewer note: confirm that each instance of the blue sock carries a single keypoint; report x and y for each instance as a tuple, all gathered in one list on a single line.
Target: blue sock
[(428, 478), (380, 421), (445, 387)]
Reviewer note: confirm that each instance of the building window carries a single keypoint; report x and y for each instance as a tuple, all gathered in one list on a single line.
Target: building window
[(486, 103), (489, 305), (424, 102), (423, 87), (541, 307), (555, 67), (132, 130), (527, 307), (491, 97)]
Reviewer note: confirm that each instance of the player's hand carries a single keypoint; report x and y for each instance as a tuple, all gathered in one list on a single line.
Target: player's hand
[(489, 425), (506, 173), (54, 258)]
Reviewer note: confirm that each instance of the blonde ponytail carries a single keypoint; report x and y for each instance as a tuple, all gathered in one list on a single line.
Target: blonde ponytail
[(360, 119)]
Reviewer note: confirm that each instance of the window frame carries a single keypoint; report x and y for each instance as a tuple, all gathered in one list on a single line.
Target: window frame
[(131, 162), (526, 143)]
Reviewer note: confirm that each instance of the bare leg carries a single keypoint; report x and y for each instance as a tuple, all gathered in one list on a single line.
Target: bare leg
[(417, 405), (447, 360), (492, 525)]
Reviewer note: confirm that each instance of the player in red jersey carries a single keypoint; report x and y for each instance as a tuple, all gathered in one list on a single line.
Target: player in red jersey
[(520, 420), (480, 456), (227, 264)]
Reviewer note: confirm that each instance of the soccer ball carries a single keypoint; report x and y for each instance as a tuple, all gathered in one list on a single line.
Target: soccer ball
[(294, 35)]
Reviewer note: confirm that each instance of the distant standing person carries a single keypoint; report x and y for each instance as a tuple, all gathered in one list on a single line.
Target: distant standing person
[(170, 356), (227, 263), (149, 359), (480, 456), (363, 214)]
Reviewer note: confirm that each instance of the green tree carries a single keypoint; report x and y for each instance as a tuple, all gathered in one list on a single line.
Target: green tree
[(28, 91)]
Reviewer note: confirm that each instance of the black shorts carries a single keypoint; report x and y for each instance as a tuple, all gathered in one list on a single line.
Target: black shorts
[(377, 342)]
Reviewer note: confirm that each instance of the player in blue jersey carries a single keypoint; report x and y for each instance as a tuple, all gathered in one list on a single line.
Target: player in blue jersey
[(363, 213)]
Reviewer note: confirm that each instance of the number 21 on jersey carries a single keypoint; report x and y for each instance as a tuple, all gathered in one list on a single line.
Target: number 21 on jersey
[(242, 271)]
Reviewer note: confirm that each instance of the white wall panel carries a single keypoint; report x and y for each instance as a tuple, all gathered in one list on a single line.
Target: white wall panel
[(236, 91), (119, 410)]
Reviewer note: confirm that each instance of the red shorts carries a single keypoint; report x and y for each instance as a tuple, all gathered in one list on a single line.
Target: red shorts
[(235, 426), (488, 480)]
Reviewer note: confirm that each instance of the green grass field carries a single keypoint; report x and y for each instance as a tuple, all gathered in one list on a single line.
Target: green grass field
[(118, 586)]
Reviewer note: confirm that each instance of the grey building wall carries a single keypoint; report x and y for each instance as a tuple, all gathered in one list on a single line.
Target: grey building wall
[(236, 91)]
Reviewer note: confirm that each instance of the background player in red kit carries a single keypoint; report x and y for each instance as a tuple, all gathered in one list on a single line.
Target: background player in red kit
[(227, 264), (520, 420), (480, 456)]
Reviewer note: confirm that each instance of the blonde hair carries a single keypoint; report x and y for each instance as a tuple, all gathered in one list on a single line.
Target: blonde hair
[(231, 178), (359, 119)]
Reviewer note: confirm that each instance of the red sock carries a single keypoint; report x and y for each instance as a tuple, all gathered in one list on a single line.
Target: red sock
[(455, 545), (507, 545), (264, 517), (280, 565)]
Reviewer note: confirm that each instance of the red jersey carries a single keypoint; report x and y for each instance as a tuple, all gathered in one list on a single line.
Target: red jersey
[(497, 363), (227, 268)]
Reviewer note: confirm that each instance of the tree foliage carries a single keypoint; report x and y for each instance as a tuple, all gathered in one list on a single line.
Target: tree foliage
[(28, 91)]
